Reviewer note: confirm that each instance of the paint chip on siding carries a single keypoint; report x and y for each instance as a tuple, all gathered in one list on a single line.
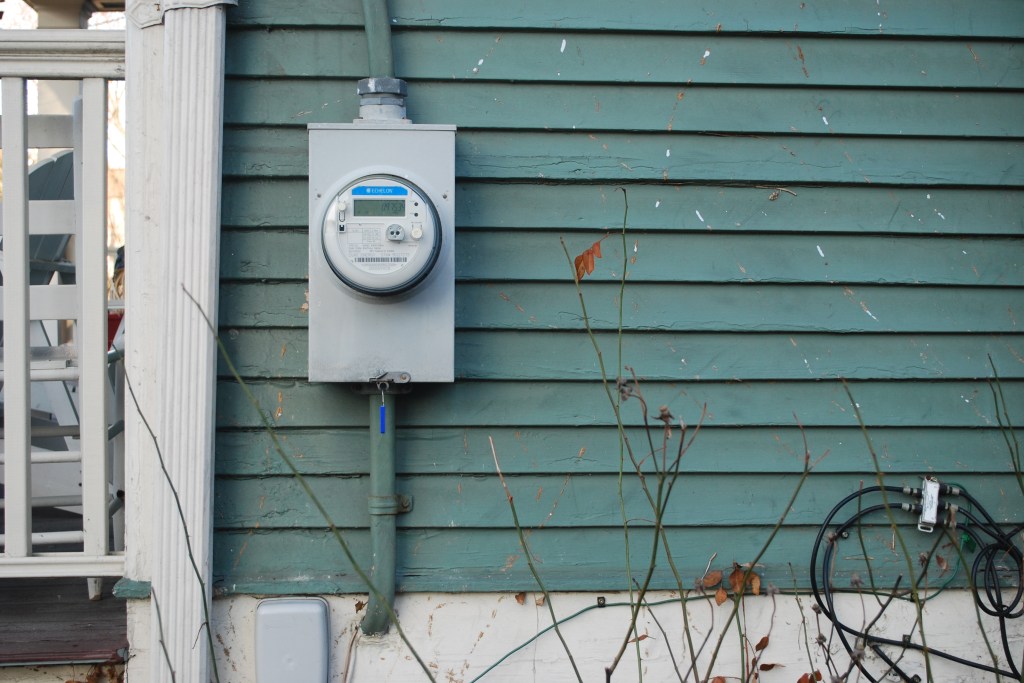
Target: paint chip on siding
[(820, 252), (657, 203), (699, 216), (825, 120), (563, 45), (668, 152)]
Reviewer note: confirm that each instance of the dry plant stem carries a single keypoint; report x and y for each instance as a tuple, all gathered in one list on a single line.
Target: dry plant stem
[(689, 636), (529, 561), (618, 411), (335, 532), (760, 653), (668, 644), (163, 645), (738, 598), (864, 551), (184, 528), (684, 445), (615, 400), (803, 620), (977, 610), (826, 648), (1005, 425), (707, 639), (660, 504), (879, 475), (741, 639)]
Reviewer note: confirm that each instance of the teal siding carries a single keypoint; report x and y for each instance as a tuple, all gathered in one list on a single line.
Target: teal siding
[(816, 191)]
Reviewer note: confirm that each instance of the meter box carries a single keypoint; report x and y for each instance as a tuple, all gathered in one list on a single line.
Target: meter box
[(381, 252)]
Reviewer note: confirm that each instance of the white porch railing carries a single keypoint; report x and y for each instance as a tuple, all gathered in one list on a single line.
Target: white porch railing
[(32, 362)]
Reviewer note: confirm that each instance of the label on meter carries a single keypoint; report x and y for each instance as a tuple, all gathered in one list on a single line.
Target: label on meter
[(371, 252), (381, 235)]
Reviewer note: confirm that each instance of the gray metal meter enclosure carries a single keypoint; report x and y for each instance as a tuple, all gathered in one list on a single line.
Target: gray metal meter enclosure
[(381, 252)]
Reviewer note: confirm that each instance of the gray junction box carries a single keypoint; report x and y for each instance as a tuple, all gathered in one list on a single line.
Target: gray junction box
[(381, 252)]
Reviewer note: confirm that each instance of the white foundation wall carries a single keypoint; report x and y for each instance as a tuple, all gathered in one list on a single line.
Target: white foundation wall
[(460, 635)]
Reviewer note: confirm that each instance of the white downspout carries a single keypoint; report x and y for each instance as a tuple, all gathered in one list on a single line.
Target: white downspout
[(180, 236)]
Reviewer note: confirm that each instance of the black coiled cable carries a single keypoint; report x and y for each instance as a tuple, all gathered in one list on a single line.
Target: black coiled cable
[(997, 556)]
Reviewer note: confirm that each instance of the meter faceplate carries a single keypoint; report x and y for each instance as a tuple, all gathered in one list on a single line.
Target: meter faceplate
[(361, 329), (381, 235)]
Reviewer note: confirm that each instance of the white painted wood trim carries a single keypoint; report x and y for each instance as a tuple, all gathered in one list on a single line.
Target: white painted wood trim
[(92, 319), (193, 85), (143, 288), (64, 566), (62, 53), (17, 471)]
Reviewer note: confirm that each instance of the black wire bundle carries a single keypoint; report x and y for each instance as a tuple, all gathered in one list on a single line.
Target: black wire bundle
[(997, 556)]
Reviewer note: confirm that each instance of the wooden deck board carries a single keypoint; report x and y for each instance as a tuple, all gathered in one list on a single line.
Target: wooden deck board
[(53, 620)]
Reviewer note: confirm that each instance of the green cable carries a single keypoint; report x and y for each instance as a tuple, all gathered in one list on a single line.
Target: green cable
[(576, 614)]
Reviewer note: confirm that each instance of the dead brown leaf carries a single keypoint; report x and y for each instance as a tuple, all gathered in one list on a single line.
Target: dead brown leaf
[(761, 644), (584, 262), (721, 596), (712, 579), (736, 578), (521, 597)]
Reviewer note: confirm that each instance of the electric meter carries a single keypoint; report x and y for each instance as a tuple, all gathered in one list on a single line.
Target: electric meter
[(381, 298), (381, 235)]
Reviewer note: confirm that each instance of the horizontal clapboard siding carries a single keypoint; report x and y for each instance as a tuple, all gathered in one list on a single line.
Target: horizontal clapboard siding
[(622, 157), (275, 352), (594, 449), (490, 559), (605, 58), (816, 192), (981, 19), (706, 257), (281, 203)]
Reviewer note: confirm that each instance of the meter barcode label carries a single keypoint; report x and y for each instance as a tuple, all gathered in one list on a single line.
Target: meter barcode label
[(381, 259)]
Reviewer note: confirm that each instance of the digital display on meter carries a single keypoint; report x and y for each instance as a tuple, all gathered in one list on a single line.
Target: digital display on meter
[(378, 207)]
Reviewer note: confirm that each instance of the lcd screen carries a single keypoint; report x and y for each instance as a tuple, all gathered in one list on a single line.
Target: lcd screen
[(378, 207)]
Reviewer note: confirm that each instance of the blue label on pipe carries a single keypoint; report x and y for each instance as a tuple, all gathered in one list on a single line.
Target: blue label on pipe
[(379, 191), (383, 413)]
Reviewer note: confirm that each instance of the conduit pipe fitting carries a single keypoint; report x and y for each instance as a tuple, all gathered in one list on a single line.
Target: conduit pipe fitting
[(382, 99)]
